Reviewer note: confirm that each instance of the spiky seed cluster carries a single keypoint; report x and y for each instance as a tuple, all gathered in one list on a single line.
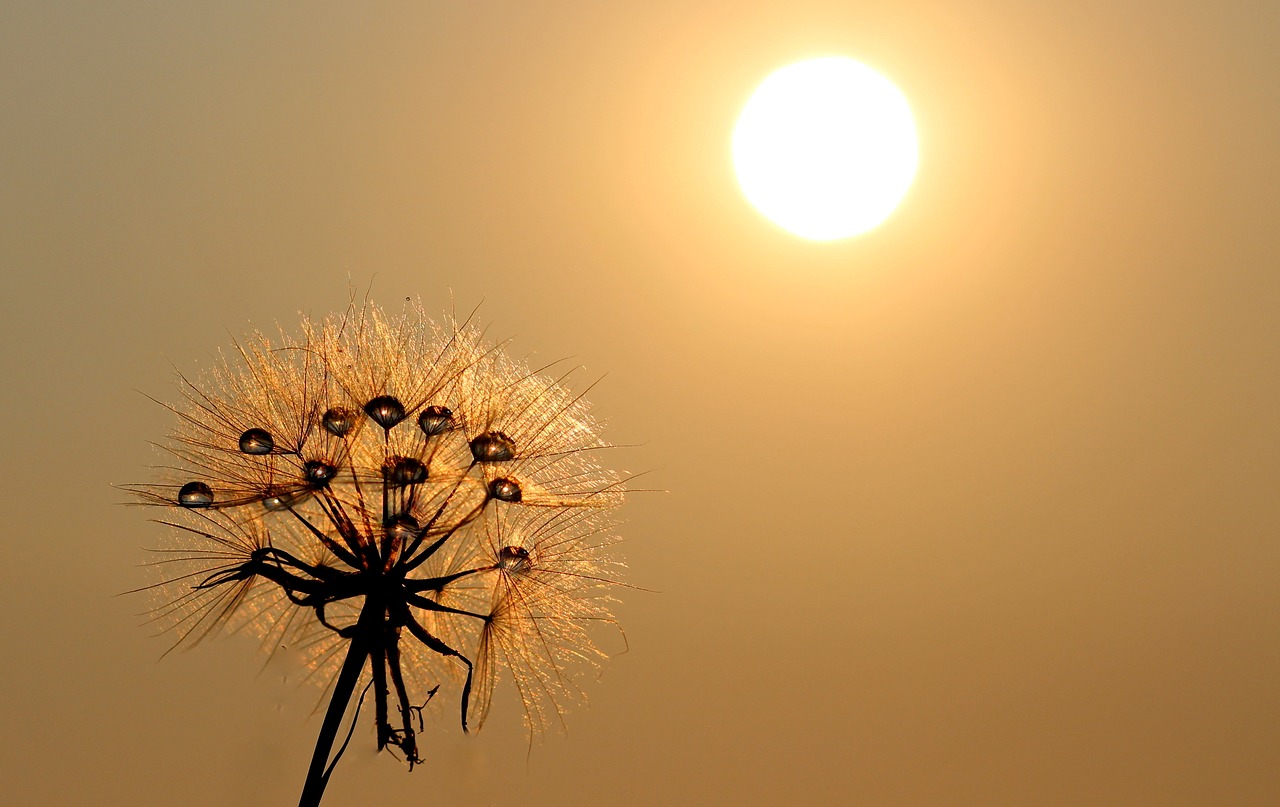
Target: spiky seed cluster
[(405, 486)]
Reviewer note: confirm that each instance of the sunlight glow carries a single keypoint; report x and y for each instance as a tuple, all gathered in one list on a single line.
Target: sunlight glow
[(826, 148)]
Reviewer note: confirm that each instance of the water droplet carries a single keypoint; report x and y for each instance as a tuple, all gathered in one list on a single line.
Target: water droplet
[(514, 559), (195, 494), (257, 441), (385, 410), (284, 499), (493, 447), (319, 472), (435, 419), (505, 490), (338, 421), (403, 528), (405, 471)]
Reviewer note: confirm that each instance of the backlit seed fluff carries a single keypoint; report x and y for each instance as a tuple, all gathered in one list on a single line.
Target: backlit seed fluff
[(397, 493)]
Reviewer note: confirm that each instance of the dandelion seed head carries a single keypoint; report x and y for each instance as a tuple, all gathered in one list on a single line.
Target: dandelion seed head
[(391, 465)]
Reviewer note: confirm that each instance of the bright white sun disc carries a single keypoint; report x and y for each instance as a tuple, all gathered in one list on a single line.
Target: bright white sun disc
[(826, 148)]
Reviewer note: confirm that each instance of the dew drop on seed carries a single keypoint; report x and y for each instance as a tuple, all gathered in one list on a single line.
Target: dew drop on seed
[(257, 441), (505, 490), (319, 472), (405, 471), (435, 420), (338, 421), (385, 410), (493, 447), (195, 494), (403, 528), (284, 500), (514, 559)]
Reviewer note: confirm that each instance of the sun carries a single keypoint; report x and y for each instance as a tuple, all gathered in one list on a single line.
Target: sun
[(826, 148)]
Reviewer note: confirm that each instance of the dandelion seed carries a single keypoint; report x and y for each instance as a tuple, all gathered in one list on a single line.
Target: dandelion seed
[(256, 441), (385, 410), (195, 494), (435, 420), (493, 447), (505, 490), (338, 421), (403, 503)]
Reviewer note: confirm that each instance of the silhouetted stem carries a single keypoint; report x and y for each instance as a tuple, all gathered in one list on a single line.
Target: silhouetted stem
[(352, 666)]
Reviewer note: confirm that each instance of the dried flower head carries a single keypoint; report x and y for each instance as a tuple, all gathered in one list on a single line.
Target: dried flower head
[(403, 502)]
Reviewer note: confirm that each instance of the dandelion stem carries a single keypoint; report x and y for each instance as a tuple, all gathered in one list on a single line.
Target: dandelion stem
[(318, 774)]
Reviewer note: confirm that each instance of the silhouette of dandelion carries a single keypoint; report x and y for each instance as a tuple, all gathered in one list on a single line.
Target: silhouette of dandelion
[(405, 504)]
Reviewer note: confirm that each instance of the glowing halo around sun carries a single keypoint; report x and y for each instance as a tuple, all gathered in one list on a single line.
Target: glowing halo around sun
[(826, 148)]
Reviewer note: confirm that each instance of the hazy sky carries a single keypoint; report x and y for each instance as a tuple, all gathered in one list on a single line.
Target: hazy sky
[(978, 508)]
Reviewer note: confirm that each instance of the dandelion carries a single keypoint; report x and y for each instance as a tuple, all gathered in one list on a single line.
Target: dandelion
[(403, 502)]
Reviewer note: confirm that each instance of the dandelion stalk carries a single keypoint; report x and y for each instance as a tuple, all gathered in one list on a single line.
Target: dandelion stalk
[(343, 689)]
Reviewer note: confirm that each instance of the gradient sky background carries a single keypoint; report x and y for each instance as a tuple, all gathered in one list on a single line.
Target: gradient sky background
[(976, 509)]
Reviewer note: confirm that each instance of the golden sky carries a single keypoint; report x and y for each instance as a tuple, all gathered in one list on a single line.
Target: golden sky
[(978, 508)]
